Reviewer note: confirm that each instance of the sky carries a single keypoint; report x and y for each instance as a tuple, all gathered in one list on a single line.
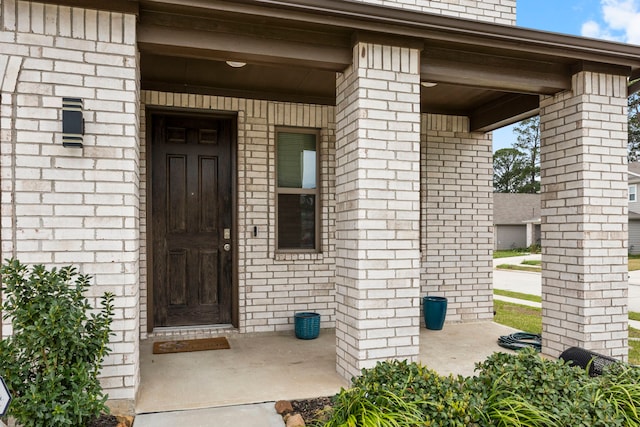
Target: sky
[(617, 20)]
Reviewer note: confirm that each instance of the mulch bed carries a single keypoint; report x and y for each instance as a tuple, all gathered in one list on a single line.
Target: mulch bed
[(312, 409), (111, 421), (104, 421)]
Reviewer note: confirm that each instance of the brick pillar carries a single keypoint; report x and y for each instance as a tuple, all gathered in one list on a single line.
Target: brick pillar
[(64, 206), (584, 216), (457, 217), (377, 195)]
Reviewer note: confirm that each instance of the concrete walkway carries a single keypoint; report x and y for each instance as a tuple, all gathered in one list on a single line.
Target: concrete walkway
[(256, 415)]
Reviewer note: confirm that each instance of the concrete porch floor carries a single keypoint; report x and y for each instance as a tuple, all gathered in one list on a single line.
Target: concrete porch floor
[(269, 367)]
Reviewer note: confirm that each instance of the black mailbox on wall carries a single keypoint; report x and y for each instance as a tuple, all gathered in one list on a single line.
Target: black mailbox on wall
[(72, 122)]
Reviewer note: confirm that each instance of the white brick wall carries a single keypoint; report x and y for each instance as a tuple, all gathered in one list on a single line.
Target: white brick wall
[(584, 216), (272, 286), (494, 11), (74, 206), (457, 217), (377, 195)]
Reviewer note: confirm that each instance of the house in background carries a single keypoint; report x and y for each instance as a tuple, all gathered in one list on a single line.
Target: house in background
[(244, 160), (634, 208), (516, 220)]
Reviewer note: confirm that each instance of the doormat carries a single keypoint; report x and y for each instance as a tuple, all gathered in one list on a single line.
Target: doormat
[(164, 347)]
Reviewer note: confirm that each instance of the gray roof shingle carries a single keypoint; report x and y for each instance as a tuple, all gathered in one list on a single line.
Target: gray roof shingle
[(515, 208)]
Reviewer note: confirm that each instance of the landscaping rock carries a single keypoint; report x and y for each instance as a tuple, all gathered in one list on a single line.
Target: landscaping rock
[(295, 420), (125, 421), (283, 407)]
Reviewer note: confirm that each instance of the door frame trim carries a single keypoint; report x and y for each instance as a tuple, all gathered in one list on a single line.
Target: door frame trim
[(150, 112)]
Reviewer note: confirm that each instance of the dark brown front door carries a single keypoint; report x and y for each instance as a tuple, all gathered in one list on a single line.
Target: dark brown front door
[(191, 213)]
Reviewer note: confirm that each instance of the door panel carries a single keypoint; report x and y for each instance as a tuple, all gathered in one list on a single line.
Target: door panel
[(191, 207), (177, 277), (208, 178), (209, 261), (177, 185)]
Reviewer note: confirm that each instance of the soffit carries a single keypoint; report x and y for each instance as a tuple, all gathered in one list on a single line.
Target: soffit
[(492, 73)]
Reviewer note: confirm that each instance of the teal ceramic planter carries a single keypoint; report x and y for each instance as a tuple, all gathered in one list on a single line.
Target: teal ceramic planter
[(307, 325), (435, 311)]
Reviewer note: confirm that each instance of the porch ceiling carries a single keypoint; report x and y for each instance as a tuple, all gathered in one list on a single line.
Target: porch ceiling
[(491, 73)]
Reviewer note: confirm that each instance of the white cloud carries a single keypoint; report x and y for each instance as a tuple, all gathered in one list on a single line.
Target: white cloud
[(621, 22), (592, 29)]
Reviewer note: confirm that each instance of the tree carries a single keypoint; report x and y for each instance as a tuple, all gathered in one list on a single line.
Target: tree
[(508, 166), (634, 127), (528, 143)]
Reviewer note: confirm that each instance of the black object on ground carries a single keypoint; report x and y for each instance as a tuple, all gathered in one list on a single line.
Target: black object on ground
[(586, 358)]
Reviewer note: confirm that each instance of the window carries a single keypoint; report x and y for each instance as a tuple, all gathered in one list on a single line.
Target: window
[(297, 190), (632, 193)]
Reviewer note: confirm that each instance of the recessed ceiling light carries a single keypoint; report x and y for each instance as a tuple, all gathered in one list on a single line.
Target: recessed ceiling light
[(236, 64), (428, 84)]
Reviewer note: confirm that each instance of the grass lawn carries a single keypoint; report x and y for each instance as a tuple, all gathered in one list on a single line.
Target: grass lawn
[(634, 262), (521, 317), (529, 319), (519, 295), (531, 262), (634, 352), (518, 267), (507, 254)]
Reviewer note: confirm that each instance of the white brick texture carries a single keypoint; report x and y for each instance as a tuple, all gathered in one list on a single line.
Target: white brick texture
[(272, 286), (65, 206), (584, 216), (406, 198), (457, 217), (494, 11), (377, 203)]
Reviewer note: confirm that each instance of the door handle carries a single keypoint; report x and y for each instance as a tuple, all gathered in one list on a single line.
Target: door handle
[(226, 247)]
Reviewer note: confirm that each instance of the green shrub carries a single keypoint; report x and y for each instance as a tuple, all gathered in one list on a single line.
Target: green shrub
[(509, 390), (52, 360), (442, 400), (619, 386), (563, 395)]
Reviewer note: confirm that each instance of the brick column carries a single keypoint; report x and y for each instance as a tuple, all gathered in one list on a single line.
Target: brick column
[(584, 216), (457, 217), (64, 206), (377, 195)]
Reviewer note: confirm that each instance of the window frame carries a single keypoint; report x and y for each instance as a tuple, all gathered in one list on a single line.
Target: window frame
[(287, 190), (634, 193)]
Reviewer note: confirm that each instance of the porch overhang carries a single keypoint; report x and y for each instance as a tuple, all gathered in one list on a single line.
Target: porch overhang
[(491, 73)]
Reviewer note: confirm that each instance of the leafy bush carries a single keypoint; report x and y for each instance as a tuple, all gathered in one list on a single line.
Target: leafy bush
[(52, 360), (619, 386), (563, 395), (509, 390), (442, 400)]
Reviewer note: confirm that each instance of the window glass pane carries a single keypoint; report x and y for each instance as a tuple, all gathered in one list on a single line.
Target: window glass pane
[(296, 160), (296, 221)]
